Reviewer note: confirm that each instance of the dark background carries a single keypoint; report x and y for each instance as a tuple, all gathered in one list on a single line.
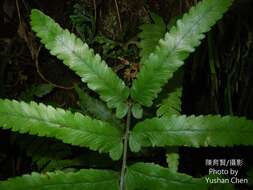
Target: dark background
[(227, 89)]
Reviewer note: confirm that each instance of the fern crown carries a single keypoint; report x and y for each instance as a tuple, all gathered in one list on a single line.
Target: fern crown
[(106, 126)]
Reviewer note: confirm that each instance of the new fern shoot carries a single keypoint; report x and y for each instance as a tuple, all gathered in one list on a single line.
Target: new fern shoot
[(160, 58)]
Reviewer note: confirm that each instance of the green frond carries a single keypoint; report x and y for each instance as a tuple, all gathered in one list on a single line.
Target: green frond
[(137, 111), (173, 161), (170, 53), (72, 162), (95, 108), (42, 151), (46, 164), (171, 105), (122, 110), (81, 59), (83, 180), (192, 131), (75, 129), (147, 176), (36, 91), (150, 35)]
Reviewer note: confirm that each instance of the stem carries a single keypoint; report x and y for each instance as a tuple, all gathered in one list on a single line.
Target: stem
[(95, 10), (18, 10), (124, 161), (118, 14), (43, 77)]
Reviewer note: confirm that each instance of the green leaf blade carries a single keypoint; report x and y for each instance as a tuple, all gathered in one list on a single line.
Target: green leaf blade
[(171, 105), (75, 129), (147, 176), (95, 108), (81, 59), (83, 180), (137, 111), (150, 35), (173, 161), (169, 55), (192, 131)]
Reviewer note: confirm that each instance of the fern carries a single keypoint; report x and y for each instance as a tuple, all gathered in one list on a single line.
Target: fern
[(151, 176), (75, 129), (173, 161), (159, 61), (84, 179), (73, 162), (48, 165), (37, 91), (175, 48), (171, 105), (77, 55), (192, 131), (95, 107), (147, 176), (42, 151), (41, 147), (150, 36)]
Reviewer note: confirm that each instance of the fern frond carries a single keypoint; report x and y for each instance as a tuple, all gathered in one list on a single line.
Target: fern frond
[(47, 165), (192, 131), (81, 59), (75, 129), (137, 111), (85, 160), (41, 150), (154, 177), (171, 105), (169, 55), (173, 161), (42, 147), (150, 35), (36, 91), (82, 180), (95, 108)]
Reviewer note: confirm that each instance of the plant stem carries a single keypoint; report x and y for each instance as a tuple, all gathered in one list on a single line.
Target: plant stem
[(124, 161), (95, 11), (118, 14)]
